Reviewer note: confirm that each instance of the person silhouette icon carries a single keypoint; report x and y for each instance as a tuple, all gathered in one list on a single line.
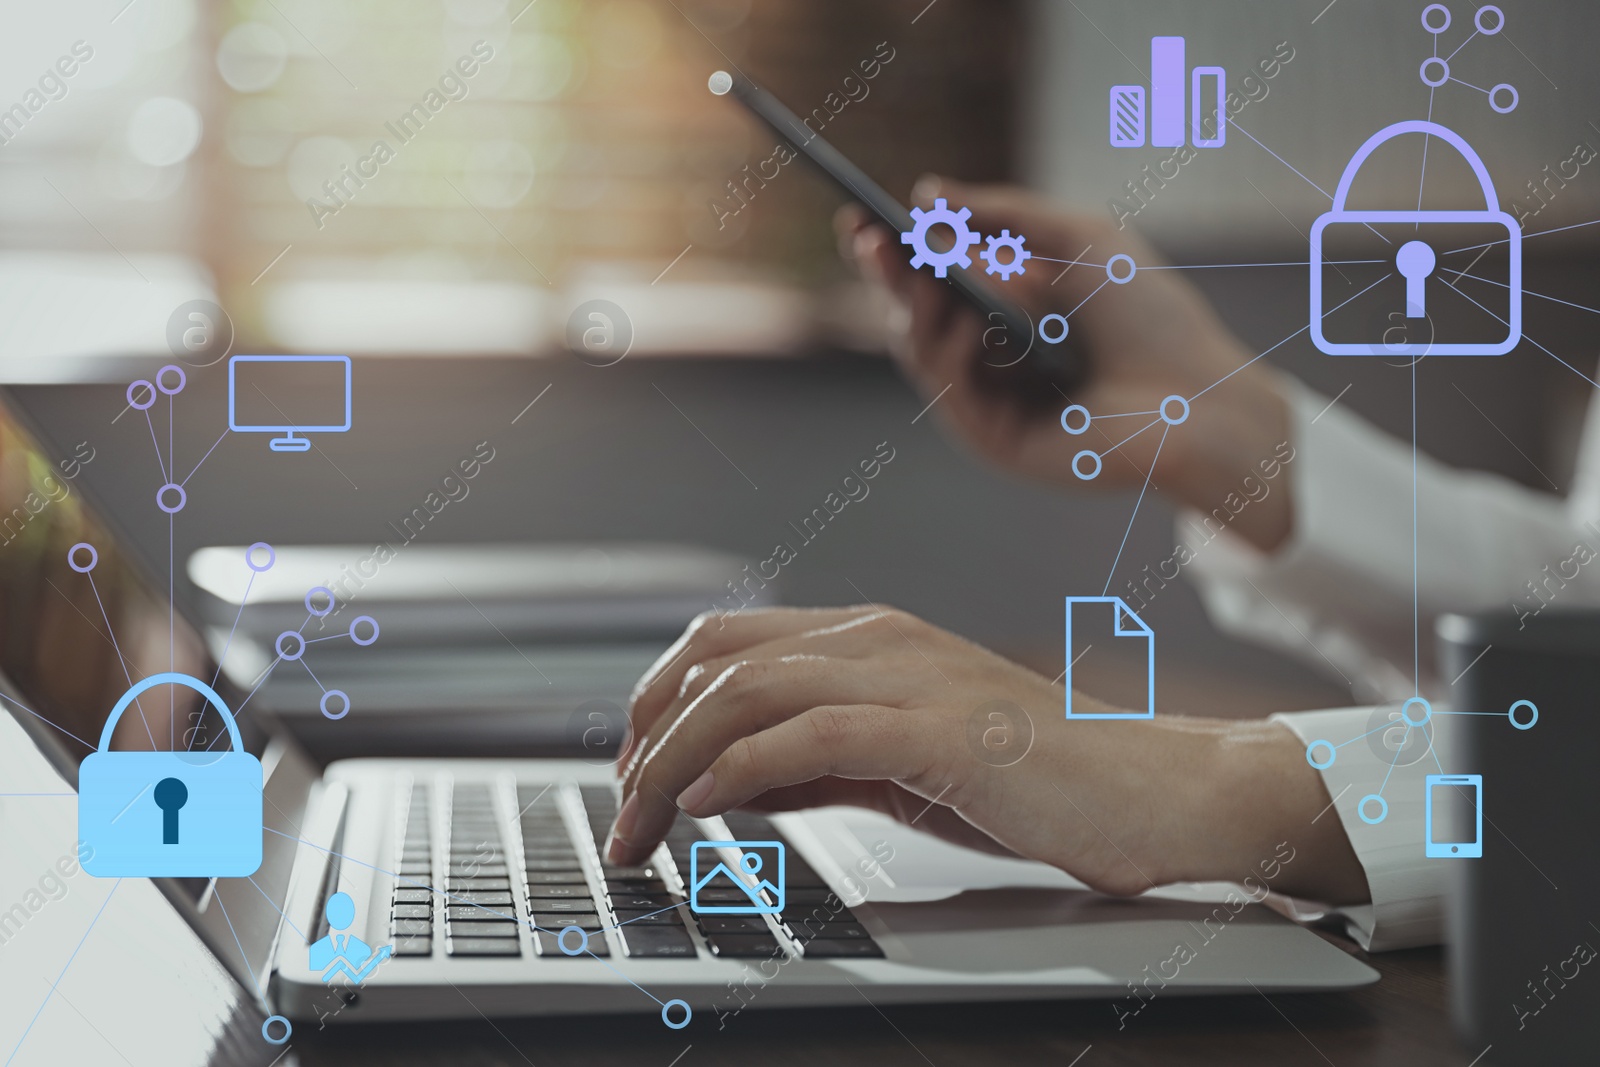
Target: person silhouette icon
[(334, 952)]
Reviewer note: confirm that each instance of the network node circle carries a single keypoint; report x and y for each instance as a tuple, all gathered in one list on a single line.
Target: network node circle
[(1489, 9), (1183, 410), (72, 557), (1383, 809), (300, 645), (313, 591), (719, 83), (1512, 89), (1111, 268), (1511, 713), (250, 554), (182, 379), (579, 944), (135, 385), (1443, 75), (1073, 411), (1333, 754), (266, 1030), (1430, 9), (161, 498), (357, 621), (1405, 710), (323, 704), (1046, 338), (1077, 465), (688, 1013)]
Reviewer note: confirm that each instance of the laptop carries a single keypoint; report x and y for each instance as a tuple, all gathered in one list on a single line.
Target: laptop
[(425, 877)]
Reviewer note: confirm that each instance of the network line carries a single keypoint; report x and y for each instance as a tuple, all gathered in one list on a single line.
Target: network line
[(1142, 490), (54, 985)]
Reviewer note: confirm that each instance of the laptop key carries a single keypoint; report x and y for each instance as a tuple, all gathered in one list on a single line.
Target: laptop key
[(404, 927), (549, 949), (561, 906), (405, 895), (411, 911), (819, 949), (553, 892), (483, 946), (636, 885), (657, 942), (458, 884), (413, 946), (488, 913), (645, 901), (745, 946), (845, 931), (732, 924), (498, 899), (475, 929), (554, 921), (571, 866), (669, 917), (730, 895), (628, 872), (568, 877)]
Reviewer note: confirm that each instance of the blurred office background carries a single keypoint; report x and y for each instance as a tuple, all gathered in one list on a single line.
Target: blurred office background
[(583, 157)]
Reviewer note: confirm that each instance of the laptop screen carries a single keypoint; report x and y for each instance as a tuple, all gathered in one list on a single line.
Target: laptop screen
[(78, 623)]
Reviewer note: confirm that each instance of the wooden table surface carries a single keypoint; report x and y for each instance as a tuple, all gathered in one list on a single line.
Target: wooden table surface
[(1401, 1021)]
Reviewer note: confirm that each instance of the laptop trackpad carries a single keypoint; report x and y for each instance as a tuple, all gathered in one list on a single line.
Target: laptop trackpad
[(892, 862), (945, 906)]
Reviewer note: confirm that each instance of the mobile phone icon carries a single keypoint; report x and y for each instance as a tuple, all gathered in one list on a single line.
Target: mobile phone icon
[(1454, 816)]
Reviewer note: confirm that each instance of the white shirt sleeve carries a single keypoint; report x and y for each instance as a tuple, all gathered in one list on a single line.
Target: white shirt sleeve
[(1344, 582), (1376, 755)]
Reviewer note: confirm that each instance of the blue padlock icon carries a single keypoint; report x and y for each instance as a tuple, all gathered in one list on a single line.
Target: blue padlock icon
[(1415, 260), (170, 814)]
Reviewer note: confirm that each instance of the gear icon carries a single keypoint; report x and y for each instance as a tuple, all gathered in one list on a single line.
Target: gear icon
[(940, 215), (1018, 255)]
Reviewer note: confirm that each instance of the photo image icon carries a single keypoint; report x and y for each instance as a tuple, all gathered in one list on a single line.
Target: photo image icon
[(750, 884)]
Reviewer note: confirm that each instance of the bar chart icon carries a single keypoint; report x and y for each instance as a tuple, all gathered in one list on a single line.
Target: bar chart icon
[(1176, 99)]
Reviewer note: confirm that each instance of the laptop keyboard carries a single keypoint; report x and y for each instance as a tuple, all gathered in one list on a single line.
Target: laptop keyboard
[(560, 880)]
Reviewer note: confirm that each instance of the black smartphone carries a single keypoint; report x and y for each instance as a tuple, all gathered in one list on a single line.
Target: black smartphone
[(1011, 342)]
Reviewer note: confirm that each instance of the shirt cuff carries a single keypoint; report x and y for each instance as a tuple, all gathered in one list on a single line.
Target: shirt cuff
[(1378, 770)]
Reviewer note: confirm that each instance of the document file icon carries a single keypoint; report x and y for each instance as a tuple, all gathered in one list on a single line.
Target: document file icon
[(1106, 638)]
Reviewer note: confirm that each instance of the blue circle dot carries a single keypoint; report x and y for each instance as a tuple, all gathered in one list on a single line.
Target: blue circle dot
[(1333, 754), (266, 1030), (688, 1013), (1511, 714), (1383, 809), (580, 944)]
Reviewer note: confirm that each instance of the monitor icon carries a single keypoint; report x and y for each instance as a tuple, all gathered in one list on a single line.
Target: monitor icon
[(289, 395)]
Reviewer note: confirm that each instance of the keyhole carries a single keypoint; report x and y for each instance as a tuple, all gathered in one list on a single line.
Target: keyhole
[(1416, 261), (171, 795)]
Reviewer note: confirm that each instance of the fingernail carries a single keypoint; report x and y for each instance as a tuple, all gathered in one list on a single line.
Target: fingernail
[(619, 847), (926, 187), (697, 793), (619, 852)]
